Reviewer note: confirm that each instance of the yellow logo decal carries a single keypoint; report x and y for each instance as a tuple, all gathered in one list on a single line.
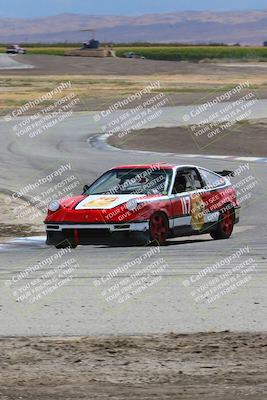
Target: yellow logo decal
[(197, 212), (101, 202)]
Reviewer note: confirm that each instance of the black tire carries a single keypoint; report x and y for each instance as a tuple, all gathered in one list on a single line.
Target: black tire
[(158, 229), (157, 234), (225, 225)]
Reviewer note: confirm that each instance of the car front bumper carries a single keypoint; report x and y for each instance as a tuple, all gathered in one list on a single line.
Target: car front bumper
[(90, 233), (128, 227)]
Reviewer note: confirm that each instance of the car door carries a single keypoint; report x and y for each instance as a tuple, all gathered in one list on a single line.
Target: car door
[(187, 205), (216, 191)]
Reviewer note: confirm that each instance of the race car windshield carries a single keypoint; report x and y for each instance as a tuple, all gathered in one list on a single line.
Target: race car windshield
[(128, 181)]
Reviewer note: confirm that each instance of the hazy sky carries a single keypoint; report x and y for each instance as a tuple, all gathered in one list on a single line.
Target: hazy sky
[(36, 8)]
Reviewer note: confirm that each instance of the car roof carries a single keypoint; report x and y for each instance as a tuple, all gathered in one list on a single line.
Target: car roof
[(162, 165), (146, 166)]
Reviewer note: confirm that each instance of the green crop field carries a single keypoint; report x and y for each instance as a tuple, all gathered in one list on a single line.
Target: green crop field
[(164, 52), (197, 53), (52, 50)]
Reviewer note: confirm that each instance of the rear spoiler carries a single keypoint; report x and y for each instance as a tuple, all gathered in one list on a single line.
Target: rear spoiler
[(225, 173)]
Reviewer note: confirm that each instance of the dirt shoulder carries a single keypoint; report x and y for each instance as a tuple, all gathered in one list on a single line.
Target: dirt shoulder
[(243, 139), (99, 83), (13, 220), (206, 366)]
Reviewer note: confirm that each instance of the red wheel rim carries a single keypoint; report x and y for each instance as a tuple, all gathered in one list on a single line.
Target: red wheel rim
[(227, 222), (158, 228)]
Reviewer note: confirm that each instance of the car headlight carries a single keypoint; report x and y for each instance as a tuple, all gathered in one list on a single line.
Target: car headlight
[(54, 205), (131, 205)]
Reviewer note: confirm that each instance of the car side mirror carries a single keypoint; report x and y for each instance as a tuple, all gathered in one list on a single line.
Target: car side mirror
[(85, 188)]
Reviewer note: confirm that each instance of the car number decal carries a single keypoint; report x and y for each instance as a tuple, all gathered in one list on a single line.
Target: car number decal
[(186, 205)]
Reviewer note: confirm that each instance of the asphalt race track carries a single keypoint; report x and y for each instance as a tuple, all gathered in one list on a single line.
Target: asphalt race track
[(79, 308), (8, 62)]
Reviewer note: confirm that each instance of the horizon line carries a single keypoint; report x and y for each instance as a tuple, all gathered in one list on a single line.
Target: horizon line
[(137, 14)]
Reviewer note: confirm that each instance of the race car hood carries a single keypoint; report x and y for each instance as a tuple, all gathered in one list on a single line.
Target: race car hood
[(71, 202), (106, 202), (106, 208)]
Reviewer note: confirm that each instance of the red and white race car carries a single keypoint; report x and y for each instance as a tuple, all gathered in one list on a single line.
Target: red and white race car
[(147, 203)]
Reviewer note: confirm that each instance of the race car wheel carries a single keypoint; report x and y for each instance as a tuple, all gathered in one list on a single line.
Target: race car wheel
[(158, 228), (225, 226)]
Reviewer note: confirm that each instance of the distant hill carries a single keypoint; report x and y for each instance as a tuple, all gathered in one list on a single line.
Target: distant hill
[(245, 27)]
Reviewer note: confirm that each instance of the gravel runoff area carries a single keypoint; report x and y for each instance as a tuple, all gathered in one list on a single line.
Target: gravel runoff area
[(221, 366), (13, 227)]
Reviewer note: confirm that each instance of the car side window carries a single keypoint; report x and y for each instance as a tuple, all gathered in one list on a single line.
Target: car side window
[(212, 180), (180, 184), (187, 180), (194, 180)]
